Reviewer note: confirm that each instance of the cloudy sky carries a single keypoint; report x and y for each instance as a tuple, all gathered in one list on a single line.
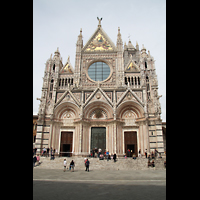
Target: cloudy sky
[(57, 23)]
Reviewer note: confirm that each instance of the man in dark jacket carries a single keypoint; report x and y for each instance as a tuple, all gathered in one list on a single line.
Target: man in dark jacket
[(114, 157), (34, 161), (87, 165)]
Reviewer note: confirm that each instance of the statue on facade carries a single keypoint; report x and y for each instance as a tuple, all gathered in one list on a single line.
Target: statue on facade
[(99, 21)]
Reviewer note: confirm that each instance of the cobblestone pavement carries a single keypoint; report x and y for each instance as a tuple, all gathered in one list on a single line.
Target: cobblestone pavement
[(137, 185)]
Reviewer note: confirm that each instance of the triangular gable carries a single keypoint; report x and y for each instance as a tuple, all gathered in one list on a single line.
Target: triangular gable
[(67, 97), (129, 95), (101, 92), (132, 67), (68, 69), (99, 42)]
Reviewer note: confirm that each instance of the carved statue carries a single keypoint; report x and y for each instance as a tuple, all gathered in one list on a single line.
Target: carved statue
[(99, 20)]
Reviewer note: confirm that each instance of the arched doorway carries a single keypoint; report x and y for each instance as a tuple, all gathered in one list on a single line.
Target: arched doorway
[(129, 112), (66, 143), (130, 140)]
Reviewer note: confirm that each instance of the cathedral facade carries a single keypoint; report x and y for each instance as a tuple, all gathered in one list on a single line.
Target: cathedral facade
[(108, 100)]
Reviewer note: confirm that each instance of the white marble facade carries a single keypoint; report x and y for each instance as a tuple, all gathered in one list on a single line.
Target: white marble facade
[(119, 92)]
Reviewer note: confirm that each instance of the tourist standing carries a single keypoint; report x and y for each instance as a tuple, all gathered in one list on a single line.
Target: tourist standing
[(38, 159), (128, 152), (114, 157), (34, 160), (87, 165), (44, 152), (93, 151), (146, 153), (107, 154), (72, 164), (99, 152), (48, 151), (65, 164), (140, 153)]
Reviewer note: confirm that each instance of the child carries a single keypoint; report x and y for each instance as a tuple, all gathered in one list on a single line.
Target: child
[(65, 164)]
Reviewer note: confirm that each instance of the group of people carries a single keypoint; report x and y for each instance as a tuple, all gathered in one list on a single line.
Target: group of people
[(36, 160), (71, 165), (45, 152), (151, 155), (98, 153)]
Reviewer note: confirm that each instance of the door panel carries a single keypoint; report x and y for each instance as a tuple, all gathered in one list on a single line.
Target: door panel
[(130, 140), (98, 137), (66, 143)]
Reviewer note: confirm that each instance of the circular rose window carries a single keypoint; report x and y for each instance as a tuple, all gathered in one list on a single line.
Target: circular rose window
[(99, 71)]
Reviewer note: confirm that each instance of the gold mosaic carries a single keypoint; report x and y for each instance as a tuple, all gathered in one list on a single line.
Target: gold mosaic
[(99, 43)]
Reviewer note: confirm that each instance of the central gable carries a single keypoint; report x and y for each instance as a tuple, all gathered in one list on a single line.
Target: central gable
[(99, 42)]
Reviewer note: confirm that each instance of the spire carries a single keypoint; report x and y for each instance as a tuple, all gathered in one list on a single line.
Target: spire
[(119, 34), (57, 53), (143, 50), (130, 46), (80, 35), (79, 44), (137, 46), (119, 40)]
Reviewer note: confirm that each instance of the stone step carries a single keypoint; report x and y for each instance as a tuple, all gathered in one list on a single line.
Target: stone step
[(96, 164)]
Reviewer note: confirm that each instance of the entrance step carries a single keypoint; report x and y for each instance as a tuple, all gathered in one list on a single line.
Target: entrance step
[(96, 164)]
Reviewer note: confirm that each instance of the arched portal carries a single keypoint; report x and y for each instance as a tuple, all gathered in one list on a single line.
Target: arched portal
[(100, 116), (63, 132), (129, 139)]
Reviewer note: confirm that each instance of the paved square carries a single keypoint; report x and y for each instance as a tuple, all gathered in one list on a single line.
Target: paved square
[(104, 184)]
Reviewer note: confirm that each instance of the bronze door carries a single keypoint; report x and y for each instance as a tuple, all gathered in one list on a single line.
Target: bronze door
[(130, 140), (98, 138), (66, 143)]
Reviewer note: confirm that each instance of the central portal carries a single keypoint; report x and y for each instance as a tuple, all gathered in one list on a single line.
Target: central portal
[(98, 138)]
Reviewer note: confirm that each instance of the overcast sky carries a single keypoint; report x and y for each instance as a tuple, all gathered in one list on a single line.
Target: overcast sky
[(57, 23)]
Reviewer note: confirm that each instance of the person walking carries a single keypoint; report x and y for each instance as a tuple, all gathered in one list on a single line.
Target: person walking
[(114, 157), (107, 155), (38, 160), (128, 152), (48, 151), (34, 161), (87, 165), (140, 153), (72, 164), (65, 164), (146, 153), (44, 152)]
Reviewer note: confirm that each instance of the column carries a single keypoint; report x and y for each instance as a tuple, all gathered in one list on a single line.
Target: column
[(114, 137)]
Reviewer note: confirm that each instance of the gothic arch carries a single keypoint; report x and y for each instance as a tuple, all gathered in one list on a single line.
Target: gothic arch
[(66, 108), (134, 107), (104, 107)]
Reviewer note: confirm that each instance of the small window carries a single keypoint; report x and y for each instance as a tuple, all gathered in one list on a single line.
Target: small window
[(59, 82), (126, 82), (54, 67), (138, 80), (146, 65), (51, 85)]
